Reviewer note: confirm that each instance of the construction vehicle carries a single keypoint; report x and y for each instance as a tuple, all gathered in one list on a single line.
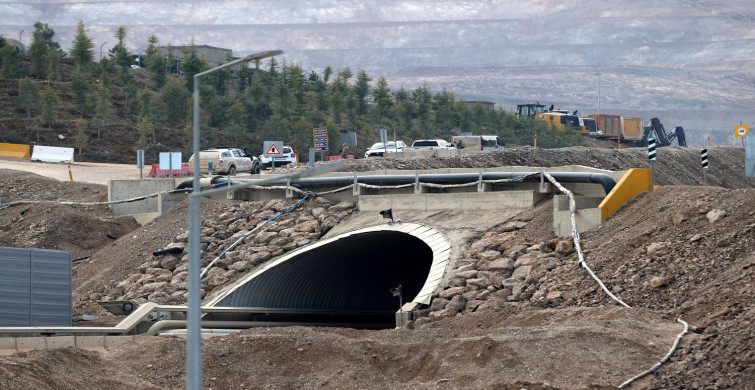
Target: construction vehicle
[(605, 126), (655, 130), (560, 119)]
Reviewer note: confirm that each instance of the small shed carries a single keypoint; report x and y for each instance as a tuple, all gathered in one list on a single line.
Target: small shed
[(35, 287)]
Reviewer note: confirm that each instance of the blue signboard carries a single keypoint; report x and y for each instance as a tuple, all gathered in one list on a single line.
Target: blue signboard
[(320, 137)]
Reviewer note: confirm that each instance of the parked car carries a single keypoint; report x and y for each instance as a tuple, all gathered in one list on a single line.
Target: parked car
[(481, 143), (378, 149), (226, 161), (286, 157), (431, 144)]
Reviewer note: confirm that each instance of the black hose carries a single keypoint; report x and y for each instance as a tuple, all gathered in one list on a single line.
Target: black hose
[(175, 249)]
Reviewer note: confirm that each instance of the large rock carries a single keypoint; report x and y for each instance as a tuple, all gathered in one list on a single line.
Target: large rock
[(513, 225), (345, 205), (258, 257), (466, 274), (226, 216), (439, 303), (530, 258), (170, 262), (490, 255), (240, 266), (522, 272), (318, 211), (307, 226), (656, 249), (658, 281), (451, 292), (501, 265), (549, 263), (265, 237), (564, 247), (479, 283), (715, 214), (456, 304), (151, 287), (279, 241)]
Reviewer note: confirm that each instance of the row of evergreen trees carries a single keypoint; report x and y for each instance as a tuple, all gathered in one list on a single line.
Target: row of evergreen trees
[(242, 106)]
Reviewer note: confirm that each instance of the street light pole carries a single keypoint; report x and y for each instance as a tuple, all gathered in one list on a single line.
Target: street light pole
[(194, 337), (101, 50)]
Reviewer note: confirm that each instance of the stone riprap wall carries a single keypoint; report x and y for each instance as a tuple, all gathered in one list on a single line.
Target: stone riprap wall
[(164, 279), (496, 270)]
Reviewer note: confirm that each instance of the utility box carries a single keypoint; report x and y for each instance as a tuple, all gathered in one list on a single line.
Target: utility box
[(35, 287)]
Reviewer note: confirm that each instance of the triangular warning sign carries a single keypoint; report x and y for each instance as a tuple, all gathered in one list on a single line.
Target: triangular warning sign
[(273, 150)]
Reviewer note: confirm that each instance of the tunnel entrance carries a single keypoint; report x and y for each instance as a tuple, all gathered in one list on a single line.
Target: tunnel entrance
[(343, 281)]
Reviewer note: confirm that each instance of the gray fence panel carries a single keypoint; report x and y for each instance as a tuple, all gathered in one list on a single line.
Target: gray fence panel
[(51, 287), (35, 287), (15, 287)]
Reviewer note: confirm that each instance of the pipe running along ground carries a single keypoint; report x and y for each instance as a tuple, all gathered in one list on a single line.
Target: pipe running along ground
[(607, 182)]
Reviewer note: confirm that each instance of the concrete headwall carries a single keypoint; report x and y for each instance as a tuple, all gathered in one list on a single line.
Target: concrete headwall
[(466, 201), (587, 214), (129, 189)]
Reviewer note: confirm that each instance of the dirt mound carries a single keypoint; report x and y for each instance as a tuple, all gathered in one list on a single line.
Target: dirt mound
[(81, 230)]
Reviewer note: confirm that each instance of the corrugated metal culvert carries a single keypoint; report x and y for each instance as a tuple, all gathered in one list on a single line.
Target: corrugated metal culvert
[(346, 280)]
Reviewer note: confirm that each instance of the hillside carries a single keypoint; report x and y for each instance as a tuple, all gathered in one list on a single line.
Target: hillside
[(688, 63), (682, 251)]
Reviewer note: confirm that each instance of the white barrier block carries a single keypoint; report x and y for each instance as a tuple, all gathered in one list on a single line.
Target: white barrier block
[(52, 154)]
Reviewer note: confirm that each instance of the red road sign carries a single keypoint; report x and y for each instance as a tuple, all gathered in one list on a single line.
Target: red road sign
[(273, 150)]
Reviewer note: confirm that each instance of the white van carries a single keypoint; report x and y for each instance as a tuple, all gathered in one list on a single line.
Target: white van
[(482, 143)]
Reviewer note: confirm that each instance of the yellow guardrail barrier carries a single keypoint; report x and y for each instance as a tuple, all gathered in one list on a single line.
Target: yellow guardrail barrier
[(634, 182), (15, 150)]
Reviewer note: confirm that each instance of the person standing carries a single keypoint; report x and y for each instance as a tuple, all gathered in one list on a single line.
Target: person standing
[(345, 151)]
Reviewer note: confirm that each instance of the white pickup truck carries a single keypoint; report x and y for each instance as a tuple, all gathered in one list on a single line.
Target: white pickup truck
[(430, 144)]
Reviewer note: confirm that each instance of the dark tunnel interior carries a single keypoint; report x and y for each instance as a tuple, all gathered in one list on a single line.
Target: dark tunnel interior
[(344, 283)]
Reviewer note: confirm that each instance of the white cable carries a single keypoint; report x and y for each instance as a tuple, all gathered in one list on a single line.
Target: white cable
[(655, 367), (575, 235)]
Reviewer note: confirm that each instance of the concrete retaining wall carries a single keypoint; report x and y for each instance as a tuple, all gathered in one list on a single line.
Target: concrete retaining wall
[(588, 214), (128, 189), (457, 201), (10, 345)]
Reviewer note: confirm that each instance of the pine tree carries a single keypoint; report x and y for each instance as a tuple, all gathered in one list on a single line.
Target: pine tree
[(11, 62), (27, 95), (174, 97), (81, 52), (49, 100), (102, 110), (54, 56), (155, 62), (80, 139), (40, 49), (119, 52), (191, 65), (80, 85), (361, 90), (143, 128)]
